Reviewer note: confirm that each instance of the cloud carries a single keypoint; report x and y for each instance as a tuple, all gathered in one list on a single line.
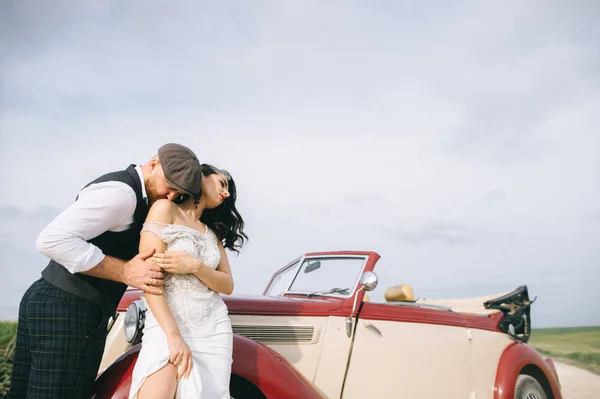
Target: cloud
[(21, 264), (19, 227), (494, 195), (460, 142), (371, 199), (448, 232)]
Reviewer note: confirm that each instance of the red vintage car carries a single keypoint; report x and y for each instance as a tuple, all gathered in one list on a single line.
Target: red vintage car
[(315, 334)]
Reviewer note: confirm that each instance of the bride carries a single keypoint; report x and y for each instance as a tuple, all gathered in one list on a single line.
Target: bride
[(187, 339)]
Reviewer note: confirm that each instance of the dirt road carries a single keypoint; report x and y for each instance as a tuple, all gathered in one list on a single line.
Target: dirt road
[(577, 383)]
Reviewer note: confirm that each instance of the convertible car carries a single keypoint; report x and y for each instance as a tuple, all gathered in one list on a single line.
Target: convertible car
[(314, 333)]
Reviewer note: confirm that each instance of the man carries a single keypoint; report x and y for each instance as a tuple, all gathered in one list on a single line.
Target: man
[(93, 247)]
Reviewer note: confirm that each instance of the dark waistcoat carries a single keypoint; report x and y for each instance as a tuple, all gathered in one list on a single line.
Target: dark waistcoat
[(123, 245)]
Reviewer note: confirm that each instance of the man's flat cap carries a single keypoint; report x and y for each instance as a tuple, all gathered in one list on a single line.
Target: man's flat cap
[(182, 169)]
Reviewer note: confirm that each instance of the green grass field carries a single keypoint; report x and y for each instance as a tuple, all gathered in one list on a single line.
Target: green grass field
[(7, 334), (579, 346), (7, 331)]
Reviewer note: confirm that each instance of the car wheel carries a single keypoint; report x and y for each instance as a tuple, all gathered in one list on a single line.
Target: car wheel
[(529, 388)]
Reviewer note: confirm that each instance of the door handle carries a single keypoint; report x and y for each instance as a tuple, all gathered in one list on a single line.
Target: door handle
[(372, 327)]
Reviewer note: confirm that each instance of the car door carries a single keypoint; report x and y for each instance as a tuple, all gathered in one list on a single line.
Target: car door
[(406, 351), (319, 273)]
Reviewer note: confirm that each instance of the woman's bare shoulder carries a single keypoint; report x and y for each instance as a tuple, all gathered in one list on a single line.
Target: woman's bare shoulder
[(162, 211)]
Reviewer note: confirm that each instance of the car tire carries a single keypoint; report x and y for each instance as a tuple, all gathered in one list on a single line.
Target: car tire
[(529, 388), (240, 388)]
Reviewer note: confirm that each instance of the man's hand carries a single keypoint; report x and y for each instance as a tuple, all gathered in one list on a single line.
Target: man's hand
[(142, 274), (177, 262)]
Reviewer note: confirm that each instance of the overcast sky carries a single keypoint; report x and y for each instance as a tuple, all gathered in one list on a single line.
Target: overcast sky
[(460, 142)]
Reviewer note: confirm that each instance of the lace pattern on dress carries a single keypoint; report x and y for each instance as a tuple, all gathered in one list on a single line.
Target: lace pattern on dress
[(195, 307), (155, 227)]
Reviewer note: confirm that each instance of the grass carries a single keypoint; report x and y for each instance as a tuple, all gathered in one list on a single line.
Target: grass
[(8, 330), (578, 346)]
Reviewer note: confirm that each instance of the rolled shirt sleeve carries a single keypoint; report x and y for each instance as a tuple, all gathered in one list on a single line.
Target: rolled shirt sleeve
[(100, 207)]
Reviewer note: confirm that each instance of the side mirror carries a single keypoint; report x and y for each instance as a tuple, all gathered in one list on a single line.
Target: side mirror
[(369, 281)]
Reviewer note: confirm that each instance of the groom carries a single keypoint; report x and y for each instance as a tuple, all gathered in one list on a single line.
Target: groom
[(93, 247)]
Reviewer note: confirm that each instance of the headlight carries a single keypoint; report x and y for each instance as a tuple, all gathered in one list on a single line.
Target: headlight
[(134, 321)]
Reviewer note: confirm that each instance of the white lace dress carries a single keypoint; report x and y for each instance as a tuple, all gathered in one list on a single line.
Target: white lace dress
[(201, 316)]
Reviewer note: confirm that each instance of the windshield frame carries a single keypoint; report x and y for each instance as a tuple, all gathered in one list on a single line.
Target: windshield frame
[(351, 289)]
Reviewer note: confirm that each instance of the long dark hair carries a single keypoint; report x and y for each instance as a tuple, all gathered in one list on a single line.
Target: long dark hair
[(225, 220)]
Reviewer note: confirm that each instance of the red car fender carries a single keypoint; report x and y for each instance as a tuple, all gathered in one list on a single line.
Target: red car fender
[(269, 371), (260, 365), (515, 358), (115, 381)]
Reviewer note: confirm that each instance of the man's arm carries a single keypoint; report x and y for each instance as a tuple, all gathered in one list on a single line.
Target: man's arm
[(109, 268), (100, 207)]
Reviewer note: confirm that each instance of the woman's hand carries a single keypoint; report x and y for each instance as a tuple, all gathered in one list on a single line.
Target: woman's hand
[(177, 262), (181, 355)]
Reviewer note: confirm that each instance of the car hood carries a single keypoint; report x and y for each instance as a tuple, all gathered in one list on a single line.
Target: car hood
[(274, 306), (263, 305)]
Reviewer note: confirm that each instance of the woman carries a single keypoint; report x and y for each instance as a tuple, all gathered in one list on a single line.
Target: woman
[(187, 341)]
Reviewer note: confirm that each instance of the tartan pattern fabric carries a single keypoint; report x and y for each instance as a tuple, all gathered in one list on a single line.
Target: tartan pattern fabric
[(60, 342)]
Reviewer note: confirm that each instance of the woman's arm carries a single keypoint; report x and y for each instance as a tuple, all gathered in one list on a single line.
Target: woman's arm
[(219, 280), (162, 212)]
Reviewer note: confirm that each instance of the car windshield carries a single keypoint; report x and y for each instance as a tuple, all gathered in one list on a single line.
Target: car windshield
[(282, 280), (319, 276)]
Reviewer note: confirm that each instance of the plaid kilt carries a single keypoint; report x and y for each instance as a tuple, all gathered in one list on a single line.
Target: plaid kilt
[(60, 342)]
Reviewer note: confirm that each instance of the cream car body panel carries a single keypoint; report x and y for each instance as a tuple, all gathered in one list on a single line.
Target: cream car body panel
[(331, 370), (421, 361), (289, 335), (486, 349), (116, 343)]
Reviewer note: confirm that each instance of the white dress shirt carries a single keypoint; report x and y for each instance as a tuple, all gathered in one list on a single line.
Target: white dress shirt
[(100, 207)]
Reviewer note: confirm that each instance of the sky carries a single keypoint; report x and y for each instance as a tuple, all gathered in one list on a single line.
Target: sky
[(459, 141)]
